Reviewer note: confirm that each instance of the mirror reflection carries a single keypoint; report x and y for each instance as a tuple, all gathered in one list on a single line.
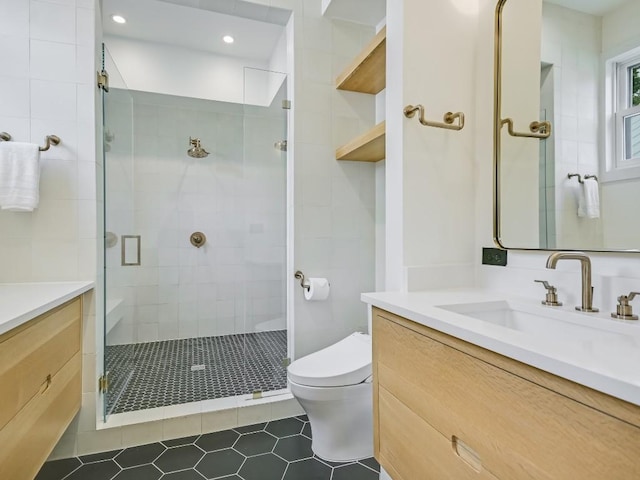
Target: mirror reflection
[(576, 65)]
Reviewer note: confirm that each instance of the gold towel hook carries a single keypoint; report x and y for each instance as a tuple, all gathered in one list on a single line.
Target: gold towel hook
[(538, 129), (5, 136), (449, 118)]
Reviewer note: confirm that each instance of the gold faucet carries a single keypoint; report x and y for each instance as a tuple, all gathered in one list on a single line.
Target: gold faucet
[(585, 264)]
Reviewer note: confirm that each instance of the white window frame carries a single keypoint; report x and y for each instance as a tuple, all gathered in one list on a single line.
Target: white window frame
[(617, 90)]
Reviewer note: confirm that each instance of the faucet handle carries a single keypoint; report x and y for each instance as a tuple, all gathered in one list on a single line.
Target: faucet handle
[(552, 294), (624, 311)]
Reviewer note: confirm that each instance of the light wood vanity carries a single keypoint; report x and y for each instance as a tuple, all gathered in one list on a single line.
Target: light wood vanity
[(40, 393), (447, 409)]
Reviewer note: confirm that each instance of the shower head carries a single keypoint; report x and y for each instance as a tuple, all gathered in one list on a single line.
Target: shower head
[(196, 150)]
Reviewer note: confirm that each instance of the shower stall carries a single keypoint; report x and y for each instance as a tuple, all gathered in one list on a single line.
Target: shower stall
[(195, 243)]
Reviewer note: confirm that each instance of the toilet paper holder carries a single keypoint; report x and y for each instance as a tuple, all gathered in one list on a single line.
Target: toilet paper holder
[(300, 276)]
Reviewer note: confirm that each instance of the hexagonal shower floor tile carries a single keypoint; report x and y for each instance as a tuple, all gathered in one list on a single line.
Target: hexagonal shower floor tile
[(278, 450), (171, 372)]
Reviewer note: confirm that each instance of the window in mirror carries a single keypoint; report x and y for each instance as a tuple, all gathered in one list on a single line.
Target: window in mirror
[(627, 131)]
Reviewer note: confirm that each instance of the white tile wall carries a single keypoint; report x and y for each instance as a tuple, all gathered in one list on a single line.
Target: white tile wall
[(39, 88), (571, 42), (236, 196)]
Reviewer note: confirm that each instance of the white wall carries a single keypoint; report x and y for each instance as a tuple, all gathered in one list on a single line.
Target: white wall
[(621, 225), (429, 241), (47, 87), (571, 44), (334, 202)]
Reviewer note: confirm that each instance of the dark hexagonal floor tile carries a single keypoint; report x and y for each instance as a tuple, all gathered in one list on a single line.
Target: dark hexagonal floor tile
[(179, 458), (98, 457), (217, 440), (355, 471), (184, 475), (263, 467), (143, 472), (371, 463), (96, 471), (139, 455), (285, 428), (306, 431), (255, 443), (251, 428), (220, 463), (177, 442), (294, 448), (309, 469), (58, 469)]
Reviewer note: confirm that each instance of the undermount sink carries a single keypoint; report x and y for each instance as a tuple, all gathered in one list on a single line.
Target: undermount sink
[(547, 321)]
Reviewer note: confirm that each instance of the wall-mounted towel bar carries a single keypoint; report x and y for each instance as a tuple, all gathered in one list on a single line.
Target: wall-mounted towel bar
[(449, 118), (586, 177), (540, 130), (50, 140)]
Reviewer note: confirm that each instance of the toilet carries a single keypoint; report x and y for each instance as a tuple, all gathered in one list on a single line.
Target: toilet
[(333, 386)]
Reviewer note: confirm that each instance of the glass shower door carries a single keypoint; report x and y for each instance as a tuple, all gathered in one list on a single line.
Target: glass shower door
[(265, 246), (121, 246)]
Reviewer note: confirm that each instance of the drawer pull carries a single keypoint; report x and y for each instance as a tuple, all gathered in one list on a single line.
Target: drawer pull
[(46, 384), (466, 453)]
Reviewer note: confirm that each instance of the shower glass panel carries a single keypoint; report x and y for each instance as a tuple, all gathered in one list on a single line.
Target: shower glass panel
[(197, 277), (119, 188), (265, 167)]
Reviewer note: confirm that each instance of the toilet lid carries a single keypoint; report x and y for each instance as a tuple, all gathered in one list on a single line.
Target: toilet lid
[(347, 362)]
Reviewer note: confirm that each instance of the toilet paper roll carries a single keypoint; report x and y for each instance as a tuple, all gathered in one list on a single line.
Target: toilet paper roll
[(318, 289)]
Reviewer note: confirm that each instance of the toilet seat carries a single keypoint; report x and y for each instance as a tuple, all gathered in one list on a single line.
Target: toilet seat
[(347, 362)]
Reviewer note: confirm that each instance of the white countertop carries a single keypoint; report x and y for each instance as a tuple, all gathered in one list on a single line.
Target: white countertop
[(21, 302), (610, 363)]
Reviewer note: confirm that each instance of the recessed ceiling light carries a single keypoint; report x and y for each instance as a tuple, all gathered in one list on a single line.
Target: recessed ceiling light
[(227, 39), (118, 19)]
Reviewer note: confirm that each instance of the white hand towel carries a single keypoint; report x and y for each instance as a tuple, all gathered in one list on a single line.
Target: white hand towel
[(19, 176), (589, 199)]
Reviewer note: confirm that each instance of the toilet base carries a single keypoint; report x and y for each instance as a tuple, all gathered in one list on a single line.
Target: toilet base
[(341, 420)]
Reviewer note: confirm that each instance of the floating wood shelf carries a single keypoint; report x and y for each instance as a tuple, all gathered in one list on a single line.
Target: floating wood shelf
[(369, 147), (366, 74)]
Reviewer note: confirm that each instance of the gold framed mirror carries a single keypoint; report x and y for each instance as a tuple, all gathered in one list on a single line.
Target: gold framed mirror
[(567, 125)]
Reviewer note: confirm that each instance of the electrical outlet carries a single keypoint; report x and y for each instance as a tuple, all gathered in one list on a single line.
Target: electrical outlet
[(494, 256)]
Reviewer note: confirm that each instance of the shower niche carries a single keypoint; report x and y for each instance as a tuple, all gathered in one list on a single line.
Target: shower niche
[(189, 324)]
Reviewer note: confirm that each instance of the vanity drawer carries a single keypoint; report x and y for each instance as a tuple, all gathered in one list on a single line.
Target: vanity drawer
[(28, 438), (519, 429), (412, 449), (31, 353)]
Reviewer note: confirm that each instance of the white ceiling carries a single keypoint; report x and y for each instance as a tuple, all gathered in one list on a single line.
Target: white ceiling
[(594, 7), (191, 27)]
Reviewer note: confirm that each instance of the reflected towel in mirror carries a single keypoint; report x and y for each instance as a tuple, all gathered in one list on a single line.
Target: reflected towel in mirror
[(589, 199)]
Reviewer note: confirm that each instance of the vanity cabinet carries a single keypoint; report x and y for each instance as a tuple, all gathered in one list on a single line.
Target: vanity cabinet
[(444, 408), (40, 388)]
